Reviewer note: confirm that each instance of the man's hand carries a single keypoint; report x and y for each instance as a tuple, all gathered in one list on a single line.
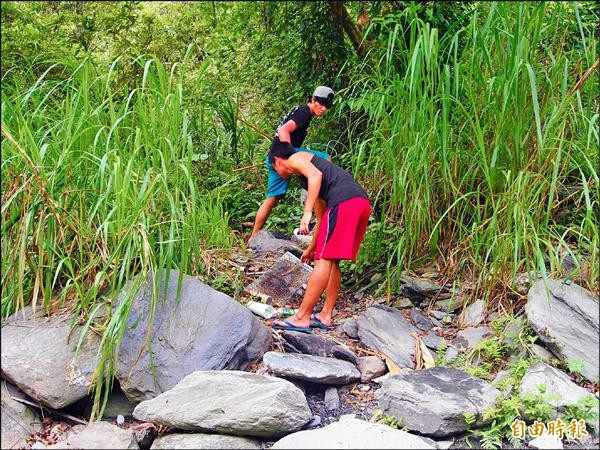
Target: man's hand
[(305, 222), (307, 255)]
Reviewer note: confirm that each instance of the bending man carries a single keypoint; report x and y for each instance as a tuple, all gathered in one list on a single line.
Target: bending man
[(338, 232)]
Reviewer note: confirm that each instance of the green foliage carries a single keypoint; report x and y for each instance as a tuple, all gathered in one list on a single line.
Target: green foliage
[(103, 192), (460, 131), (586, 408), (440, 354), (470, 418), (386, 419), (536, 406), (489, 356), (527, 407), (575, 365), (232, 286)]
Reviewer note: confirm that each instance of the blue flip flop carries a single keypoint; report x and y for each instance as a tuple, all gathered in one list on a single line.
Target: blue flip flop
[(291, 327), (315, 322)]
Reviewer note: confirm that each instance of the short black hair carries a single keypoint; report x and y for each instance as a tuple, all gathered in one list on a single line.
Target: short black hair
[(328, 102), (324, 95), (281, 149)]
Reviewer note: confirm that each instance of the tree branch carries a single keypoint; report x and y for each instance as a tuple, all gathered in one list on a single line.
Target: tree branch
[(343, 20)]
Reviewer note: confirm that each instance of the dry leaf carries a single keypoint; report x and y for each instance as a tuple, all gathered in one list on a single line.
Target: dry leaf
[(428, 360), (392, 366), (418, 357)]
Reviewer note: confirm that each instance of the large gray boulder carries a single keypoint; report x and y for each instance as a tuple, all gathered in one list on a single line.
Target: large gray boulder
[(559, 389), (433, 401), (204, 441), (316, 369), (18, 421), (266, 242), (566, 319), (98, 435), (385, 329), (353, 433), (203, 330), (38, 356), (318, 345), (229, 402)]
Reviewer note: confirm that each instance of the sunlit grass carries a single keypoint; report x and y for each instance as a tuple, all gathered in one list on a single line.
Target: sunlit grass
[(97, 188), (472, 139)]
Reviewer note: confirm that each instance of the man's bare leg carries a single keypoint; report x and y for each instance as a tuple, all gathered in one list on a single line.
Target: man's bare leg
[(263, 213), (331, 294), (317, 283)]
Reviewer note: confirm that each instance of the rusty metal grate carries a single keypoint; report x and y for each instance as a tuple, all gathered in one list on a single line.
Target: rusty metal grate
[(283, 280)]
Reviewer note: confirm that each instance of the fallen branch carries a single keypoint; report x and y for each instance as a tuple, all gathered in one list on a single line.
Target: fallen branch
[(37, 405)]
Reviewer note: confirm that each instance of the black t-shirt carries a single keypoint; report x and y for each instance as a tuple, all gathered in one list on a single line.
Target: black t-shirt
[(301, 115), (337, 185)]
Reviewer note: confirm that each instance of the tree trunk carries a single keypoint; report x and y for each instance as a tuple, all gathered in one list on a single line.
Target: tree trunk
[(343, 20)]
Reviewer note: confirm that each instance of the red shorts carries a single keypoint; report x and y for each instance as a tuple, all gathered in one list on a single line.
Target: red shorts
[(342, 229)]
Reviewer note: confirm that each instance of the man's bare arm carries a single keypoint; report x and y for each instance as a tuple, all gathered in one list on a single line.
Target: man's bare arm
[(300, 163), (285, 130)]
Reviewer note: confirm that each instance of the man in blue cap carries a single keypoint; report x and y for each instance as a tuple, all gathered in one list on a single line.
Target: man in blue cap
[(292, 131)]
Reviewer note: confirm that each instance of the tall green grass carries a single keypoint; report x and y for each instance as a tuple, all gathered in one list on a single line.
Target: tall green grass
[(97, 187), (473, 138)]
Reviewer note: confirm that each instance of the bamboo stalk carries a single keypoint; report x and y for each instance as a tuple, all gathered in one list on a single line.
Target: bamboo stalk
[(239, 169), (254, 128), (259, 131)]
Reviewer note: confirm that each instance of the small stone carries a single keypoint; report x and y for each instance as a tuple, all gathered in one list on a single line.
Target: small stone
[(38, 445), (315, 422), (350, 327), (145, 437), (402, 303), (436, 323), (370, 367), (540, 352), (451, 353), (493, 316), (474, 314), (381, 379), (420, 321), (546, 441), (439, 315), (365, 388), (120, 420), (332, 399), (433, 341), (376, 277)]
